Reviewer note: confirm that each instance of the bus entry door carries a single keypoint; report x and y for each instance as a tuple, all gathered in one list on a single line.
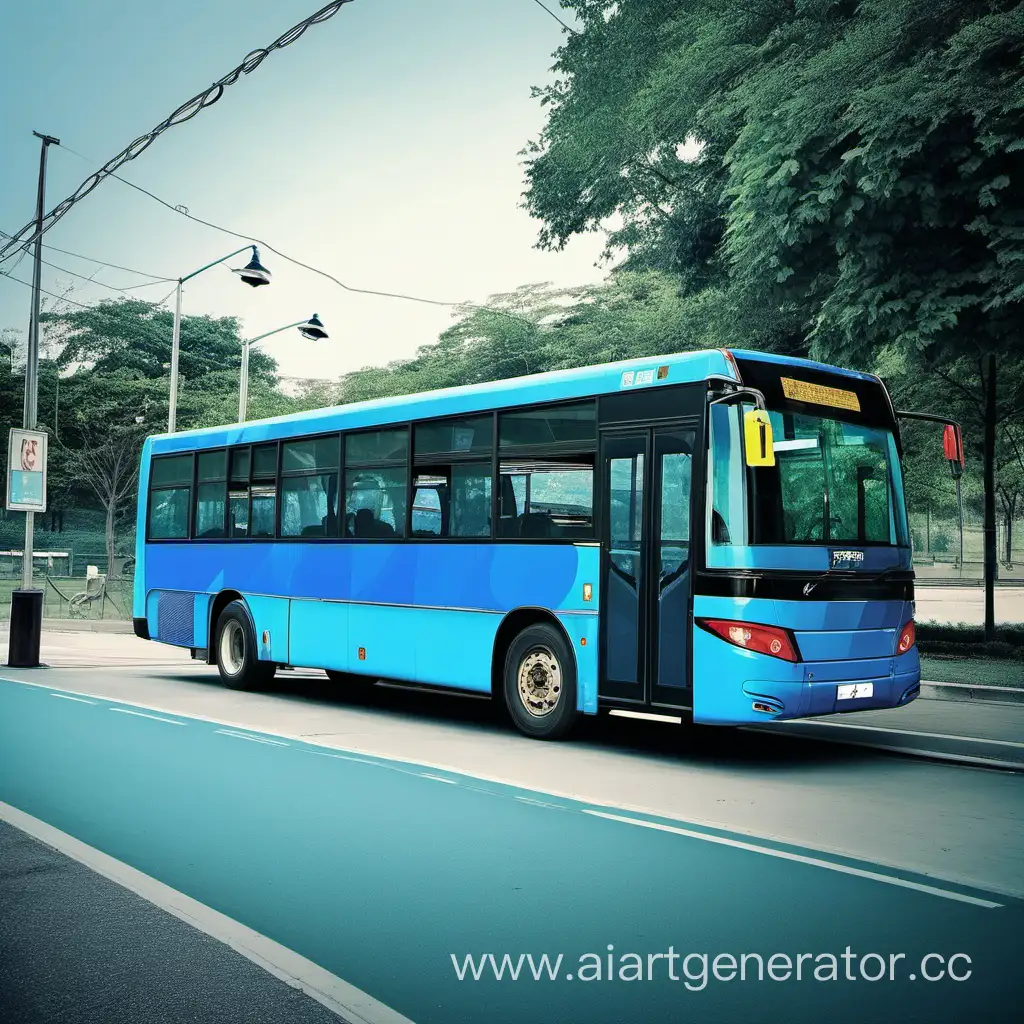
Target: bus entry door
[(646, 575)]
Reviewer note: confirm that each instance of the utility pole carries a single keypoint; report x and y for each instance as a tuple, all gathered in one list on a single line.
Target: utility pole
[(27, 604), (991, 558)]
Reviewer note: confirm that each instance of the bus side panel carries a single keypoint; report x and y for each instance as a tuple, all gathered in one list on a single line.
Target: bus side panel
[(452, 648), (270, 615), (318, 635), (139, 583), (201, 621), (380, 633), (583, 634)]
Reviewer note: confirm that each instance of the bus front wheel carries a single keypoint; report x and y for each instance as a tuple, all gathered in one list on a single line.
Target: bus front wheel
[(239, 666), (540, 683)]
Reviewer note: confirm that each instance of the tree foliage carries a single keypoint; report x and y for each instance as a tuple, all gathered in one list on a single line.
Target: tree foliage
[(852, 172)]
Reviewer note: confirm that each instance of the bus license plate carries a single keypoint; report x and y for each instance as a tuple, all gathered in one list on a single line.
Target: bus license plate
[(847, 691)]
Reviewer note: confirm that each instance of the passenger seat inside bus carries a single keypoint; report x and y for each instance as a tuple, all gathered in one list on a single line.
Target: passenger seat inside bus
[(535, 524)]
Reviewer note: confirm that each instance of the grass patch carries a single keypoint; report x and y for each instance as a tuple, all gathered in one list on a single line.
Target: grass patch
[(979, 671)]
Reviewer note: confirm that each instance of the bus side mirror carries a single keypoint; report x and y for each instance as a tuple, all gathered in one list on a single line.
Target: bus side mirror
[(953, 449), (757, 436)]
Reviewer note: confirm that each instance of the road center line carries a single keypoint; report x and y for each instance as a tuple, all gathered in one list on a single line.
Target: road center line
[(251, 739), (846, 869), (81, 700), (349, 1002), (142, 714)]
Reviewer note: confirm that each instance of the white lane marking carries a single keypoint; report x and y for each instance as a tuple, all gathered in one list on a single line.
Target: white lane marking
[(845, 869), (337, 995), (904, 732), (141, 714), (1014, 892), (252, 739), (64, 696), (345, 757), (540, 803), (437, 778)]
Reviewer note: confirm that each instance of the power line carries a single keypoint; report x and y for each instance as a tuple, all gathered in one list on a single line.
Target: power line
[(81, 305), (102, 284), (113, 266), (28, 284), (157, 279), (185, 112), (544, 7), (184, 212)]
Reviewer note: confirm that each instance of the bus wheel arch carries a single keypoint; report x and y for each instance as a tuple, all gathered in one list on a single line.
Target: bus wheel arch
[(536, 639), (217, 605)]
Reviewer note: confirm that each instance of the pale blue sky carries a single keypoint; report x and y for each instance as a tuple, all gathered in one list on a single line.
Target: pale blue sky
[(382, 146)]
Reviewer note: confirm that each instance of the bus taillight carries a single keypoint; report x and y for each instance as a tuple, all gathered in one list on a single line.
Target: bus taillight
[(771, 640), (907, 637)]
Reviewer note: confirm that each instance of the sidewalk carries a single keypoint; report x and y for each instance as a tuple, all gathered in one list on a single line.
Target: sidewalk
[(80, 949)]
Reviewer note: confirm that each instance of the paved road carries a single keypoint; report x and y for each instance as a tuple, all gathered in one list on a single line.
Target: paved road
[(379, 869), (918, 816)]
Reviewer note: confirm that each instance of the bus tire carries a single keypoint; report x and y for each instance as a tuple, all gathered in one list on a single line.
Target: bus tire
[(235, 647), (540, 683)]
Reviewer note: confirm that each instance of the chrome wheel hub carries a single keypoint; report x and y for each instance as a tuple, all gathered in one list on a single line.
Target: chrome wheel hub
[(232, 647), (540, 682)]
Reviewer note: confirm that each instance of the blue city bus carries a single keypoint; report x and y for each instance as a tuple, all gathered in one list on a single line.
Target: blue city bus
[(719, 536)]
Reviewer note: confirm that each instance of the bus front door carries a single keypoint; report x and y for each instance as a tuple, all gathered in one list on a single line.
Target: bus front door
[(646, 575)]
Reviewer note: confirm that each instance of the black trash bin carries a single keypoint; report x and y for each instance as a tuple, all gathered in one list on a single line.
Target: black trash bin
[(26, 627)]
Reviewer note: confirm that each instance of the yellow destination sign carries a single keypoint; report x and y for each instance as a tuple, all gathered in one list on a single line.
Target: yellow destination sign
[(818, 394)]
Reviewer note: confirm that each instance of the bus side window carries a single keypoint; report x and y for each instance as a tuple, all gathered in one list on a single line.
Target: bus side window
[(428, 508), (511, 506)]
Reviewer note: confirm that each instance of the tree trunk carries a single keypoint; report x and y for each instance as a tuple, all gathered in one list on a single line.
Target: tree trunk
[(991, 556), (1008, 528), (110, 539)]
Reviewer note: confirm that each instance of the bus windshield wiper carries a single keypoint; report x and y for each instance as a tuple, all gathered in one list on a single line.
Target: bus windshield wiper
[(849, 574)]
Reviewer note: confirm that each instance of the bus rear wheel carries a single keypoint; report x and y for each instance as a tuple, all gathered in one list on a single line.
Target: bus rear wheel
[(239, 666), (540, 683)]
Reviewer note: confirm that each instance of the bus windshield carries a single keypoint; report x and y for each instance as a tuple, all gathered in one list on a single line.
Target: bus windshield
[(833, 482)]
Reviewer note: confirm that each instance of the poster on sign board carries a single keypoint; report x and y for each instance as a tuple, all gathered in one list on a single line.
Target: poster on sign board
[(26, 470)]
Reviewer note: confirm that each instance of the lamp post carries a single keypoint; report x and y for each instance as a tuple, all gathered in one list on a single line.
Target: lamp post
[(311, 329), (27, 603), (254, 274)]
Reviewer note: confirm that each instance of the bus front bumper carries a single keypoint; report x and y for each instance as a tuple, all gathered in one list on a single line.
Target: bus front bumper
[(805, 690)]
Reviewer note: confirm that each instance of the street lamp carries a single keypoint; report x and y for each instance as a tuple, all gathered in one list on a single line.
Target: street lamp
[(254, 274), (311, 329)]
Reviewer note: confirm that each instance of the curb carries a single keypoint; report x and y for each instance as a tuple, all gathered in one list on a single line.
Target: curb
[(971, 692)]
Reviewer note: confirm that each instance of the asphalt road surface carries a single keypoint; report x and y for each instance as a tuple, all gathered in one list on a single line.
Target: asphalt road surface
[(379, 840)]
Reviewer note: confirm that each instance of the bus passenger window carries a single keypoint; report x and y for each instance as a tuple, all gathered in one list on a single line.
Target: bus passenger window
[(168, 513), (429, 501), (170, 497), (375, 501), (238, 513), (471, 500), (375, 483), (548, 497), (262, 511)]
